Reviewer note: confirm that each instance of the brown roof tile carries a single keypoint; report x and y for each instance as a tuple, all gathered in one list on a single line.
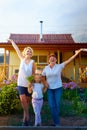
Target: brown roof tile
[(47, 38)]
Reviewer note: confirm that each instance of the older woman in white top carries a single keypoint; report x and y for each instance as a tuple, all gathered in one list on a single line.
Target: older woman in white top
[(52, 72), (27, 68)]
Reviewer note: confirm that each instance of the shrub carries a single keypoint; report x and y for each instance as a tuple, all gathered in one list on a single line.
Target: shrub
[(9, 99), (76, 98), (79, 105)]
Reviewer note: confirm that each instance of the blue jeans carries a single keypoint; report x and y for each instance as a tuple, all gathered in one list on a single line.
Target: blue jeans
[(54, 98)]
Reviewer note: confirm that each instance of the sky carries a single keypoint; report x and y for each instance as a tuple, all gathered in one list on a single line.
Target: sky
[(58, 16)]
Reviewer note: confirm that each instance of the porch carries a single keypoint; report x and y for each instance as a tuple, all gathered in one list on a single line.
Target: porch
[(7, 71)]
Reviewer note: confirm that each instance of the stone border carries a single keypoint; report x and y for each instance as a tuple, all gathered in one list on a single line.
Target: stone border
[(43, 127)]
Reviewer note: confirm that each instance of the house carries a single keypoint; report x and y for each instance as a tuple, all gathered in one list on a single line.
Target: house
[(63, 45)]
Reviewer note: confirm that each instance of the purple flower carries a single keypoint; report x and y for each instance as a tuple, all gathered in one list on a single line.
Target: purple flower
[(72, 85), (8, 81), (14, 77), (65, 85), (5, 81)]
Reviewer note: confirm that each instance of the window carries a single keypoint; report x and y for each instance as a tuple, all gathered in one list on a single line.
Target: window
[(16, 71), (35, 58), (42, 59)]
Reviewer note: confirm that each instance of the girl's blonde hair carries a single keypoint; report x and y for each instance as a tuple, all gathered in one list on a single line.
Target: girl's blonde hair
[(26, 48)]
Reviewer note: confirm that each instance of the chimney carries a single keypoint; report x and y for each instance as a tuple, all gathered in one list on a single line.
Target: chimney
[(41, 35)]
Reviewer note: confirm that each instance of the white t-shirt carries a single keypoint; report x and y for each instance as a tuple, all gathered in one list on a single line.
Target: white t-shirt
[(25, 70), (53, 75), (37, 91)]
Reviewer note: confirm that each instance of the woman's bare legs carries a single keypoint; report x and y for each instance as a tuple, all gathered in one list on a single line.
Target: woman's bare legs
[(25, 101)]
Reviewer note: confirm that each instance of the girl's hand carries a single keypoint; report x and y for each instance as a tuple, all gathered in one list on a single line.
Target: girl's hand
[(30, 88)]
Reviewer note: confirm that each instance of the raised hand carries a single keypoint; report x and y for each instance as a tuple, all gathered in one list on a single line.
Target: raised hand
[(84, 49), (10, 40), (78, 51)]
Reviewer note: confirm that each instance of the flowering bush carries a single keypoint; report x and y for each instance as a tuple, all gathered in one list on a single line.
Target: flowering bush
[(9, 99), (12, 80), (72, 85), (70, 90)]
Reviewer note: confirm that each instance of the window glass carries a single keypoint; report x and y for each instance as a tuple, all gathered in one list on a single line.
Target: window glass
[(42, 59), (35, 58)]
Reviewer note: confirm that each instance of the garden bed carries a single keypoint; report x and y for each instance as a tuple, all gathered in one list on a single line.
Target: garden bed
[(73, 110)]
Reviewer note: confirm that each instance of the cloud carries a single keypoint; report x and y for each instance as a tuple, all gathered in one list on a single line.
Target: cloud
[(80, 37)]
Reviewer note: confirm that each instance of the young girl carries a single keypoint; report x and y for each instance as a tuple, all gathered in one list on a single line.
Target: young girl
[(37, 88), (27, 68)]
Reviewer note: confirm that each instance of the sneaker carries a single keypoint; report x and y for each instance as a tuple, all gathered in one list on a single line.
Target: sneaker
[(28, 123), (24, 123), (38, 124), (55, 125), (52, 124)]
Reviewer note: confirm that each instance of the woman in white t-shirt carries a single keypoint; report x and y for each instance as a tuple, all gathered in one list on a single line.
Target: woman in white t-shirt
[(52, 73), (27, 68)]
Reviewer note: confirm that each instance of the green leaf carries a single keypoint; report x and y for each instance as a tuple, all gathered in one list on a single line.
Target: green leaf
[(30, 78)]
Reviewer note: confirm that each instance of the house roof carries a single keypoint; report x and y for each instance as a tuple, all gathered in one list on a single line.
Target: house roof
[(49, 42), (47, 38)]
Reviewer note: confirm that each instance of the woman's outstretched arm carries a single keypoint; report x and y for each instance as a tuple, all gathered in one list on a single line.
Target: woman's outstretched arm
[(16, 48), (72, 57)]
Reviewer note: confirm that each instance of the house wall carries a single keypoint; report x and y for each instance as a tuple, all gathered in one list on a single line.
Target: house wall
[(41, 52), (77, 76), (14, 62), (84, 61), (71, 71)]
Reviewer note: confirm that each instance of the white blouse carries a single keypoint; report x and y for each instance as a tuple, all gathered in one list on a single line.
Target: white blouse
[(53, 75), (25, 70)]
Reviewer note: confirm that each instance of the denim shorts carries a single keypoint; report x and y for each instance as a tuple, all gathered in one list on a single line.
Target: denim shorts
[(23, 90)]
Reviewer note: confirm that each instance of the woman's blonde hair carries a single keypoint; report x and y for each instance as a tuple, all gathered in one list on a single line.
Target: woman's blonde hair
[(26, 48)]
